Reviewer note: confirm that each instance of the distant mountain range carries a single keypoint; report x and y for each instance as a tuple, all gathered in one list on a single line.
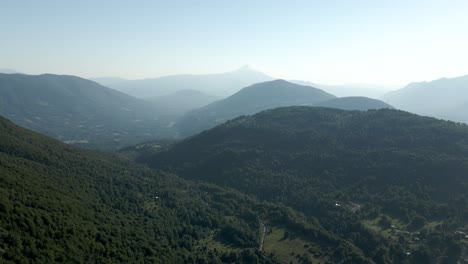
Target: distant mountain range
[(108, 81), (250, 100), (77, 110), (82, 112), (221, 84), (349, 90), (443, 98), (225, 84), (268, 95)]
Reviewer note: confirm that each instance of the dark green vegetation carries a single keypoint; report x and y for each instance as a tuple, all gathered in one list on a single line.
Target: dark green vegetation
[(443, 98), (180, 102), (250, 100), (391, 183), (78, 111), (62, 204), (354, 103)]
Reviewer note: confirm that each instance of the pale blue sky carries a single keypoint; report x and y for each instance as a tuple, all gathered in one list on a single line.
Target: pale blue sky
[(328, 41)]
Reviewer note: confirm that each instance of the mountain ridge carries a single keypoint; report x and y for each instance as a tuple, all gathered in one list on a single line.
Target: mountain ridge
[(218, 84), (250, 100), (439, 98)]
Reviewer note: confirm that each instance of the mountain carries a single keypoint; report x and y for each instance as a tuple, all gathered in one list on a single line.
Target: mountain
[(107, 81), (77, 110), (392, 183), (221, 84), (459, 113), (354, 103), (440, 98), (180, 102), (60, 204), (250, 100), (348, 90), (8, 71)]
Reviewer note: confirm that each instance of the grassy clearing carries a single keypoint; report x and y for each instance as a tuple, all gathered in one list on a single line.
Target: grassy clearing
[(212, 243), (287, 248)]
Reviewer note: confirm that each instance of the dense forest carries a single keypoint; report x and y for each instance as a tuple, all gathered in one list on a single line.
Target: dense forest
[(391, 182), (62, 204)]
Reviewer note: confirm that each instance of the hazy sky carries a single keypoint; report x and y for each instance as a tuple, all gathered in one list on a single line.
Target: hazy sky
[(348, 41)]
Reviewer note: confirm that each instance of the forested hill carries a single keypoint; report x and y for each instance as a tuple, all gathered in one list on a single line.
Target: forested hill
[(250, 100), (393, 147), (59, 204), (408, 170), (78, 111)]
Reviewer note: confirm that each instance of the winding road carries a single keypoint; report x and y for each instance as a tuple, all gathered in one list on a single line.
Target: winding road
[(263, 237)]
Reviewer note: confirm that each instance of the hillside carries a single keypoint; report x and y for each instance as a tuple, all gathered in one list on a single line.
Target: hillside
[(354, 103), (76, 110), (384, 173), (107, 81), (220, 84), (180, 102), (8, 71), (250, 100), (62, 204), (441, 98), (458, 113)]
